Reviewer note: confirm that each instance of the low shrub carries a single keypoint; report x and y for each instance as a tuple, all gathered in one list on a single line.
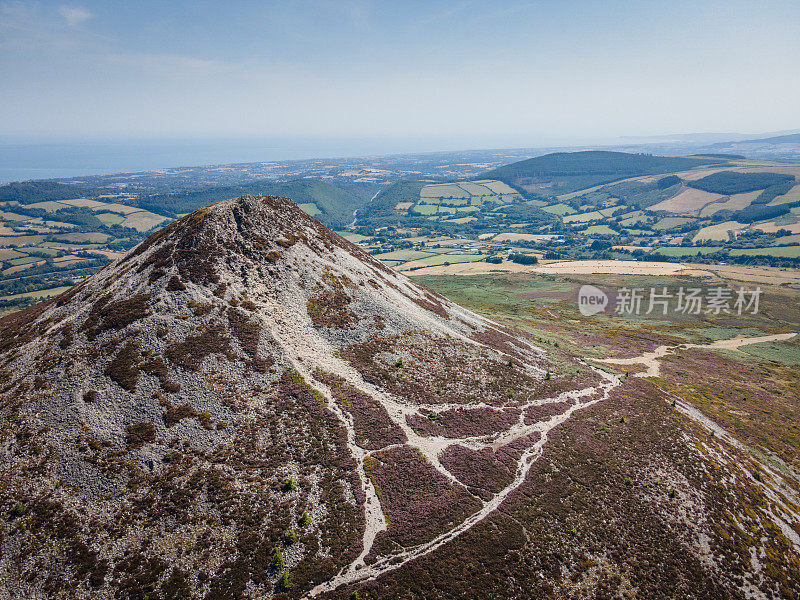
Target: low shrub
[(139, 434), (123, 369)]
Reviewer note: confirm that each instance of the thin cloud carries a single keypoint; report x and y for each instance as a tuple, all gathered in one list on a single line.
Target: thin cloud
[(74, 15)]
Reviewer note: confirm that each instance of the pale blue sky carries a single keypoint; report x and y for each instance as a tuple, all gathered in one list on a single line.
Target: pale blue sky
[(536, 72)]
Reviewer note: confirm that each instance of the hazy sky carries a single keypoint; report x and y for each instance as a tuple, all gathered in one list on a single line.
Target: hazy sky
[(473, 70)]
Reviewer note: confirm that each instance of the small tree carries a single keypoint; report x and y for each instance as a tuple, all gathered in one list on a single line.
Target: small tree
[(305, 519), (278, 563), (285, 582)]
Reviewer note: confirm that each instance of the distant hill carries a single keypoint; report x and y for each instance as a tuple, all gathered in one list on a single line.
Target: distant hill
[(29, 192), (792, 138), (563, 172), (333, 204)]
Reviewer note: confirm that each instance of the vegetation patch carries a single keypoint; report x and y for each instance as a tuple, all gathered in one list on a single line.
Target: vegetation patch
[(190, 353), (374, 428), (139, 434), (480, 470), (731, 182), (107, 315), (330, 308), (464, 422), (419, 501), (123, 368)]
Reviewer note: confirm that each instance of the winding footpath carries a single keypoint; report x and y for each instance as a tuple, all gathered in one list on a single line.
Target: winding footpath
[(306, 351), (652, 360), (524, 464), (432, 447)]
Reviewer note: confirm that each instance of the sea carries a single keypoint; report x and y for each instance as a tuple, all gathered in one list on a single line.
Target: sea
[(23, 160)]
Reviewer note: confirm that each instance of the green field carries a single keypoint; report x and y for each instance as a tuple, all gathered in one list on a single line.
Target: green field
[(463, 196), (559, 209), (37, 295), (778, 251), (403, 255), (670, 222), (690, 251), (24, 260), (787, 239), (599, 230), (310, 208), (586, 217), (425, 209), (45, 250), (451, 258), (110, 218)]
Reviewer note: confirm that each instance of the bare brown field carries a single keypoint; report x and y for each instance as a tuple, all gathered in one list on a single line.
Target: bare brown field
[(719, 231), (688, 202), (20, 240), (735, 202), (526, 237), (793, 195), (576, 267), (143, 220), (771, 227), (8, 254)]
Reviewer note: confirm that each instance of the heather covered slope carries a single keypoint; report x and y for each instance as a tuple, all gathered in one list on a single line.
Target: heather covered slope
[(196, 394), (247, 405)]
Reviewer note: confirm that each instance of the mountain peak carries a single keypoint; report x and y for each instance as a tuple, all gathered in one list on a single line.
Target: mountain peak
[(261, 228), (239, 374)]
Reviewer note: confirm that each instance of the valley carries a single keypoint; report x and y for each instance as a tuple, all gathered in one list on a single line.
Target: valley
[(430, 211)]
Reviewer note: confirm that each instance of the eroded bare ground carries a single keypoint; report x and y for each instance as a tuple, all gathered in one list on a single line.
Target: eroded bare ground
[(687, 513), (247, 406), (629, 499)]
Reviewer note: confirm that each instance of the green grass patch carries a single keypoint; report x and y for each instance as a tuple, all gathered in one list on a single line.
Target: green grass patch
[(777, 251), (559, 209), (310, 208), (46, 250), (403, 255), (599, 230), (670, 222), (425, 209), (24, 260), (37, 295), (441, 259), (787, 239), (690, 251), (594, 215), (108, 218), (781, 352)]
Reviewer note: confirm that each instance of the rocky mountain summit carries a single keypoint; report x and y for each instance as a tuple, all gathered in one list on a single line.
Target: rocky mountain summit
[(249, 406)]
